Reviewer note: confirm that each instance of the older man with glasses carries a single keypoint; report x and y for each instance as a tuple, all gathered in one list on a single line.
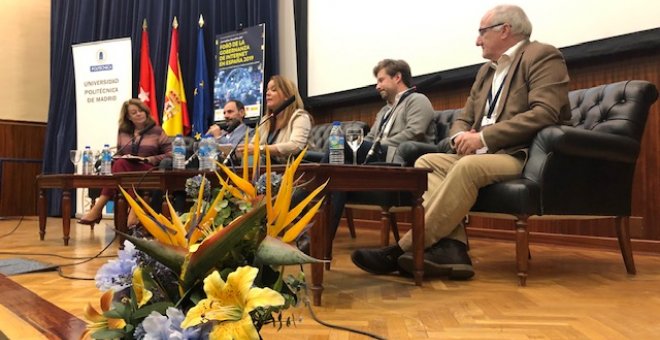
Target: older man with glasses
[(519, 91)]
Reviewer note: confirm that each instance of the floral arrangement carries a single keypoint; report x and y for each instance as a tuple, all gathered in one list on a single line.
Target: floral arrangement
[(215, 272)]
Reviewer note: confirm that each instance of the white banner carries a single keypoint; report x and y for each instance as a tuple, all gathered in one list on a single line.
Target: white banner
[(103, 72)]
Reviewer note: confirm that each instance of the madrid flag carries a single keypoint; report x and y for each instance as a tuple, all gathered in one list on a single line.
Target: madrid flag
[(175, 111), (147, 83)]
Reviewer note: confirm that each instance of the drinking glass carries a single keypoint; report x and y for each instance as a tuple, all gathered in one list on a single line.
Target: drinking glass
[(354, 138), (74, 156)]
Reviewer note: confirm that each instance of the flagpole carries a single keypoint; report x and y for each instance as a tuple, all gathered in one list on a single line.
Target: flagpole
[(147, 83), (175, 108), (202, 105)]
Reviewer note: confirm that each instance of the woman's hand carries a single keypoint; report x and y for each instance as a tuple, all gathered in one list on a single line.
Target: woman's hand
[(241, 147)]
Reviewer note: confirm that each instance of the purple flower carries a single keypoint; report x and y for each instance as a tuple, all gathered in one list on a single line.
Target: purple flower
[(159, 327), (117, 274)]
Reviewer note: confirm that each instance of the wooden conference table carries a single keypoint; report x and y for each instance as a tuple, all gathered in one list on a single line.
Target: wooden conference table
[(66, 182), (342, 178)]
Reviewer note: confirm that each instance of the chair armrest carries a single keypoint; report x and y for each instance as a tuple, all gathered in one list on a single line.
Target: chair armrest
[(313, 157), (411, 151), (586, 143)]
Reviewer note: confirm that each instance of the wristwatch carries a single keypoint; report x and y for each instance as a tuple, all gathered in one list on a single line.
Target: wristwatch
[(262, 149)]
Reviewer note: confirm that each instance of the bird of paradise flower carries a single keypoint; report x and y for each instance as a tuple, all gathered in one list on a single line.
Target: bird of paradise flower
[(178, 246)]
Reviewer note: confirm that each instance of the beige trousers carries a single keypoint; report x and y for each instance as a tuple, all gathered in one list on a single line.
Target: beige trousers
[(453, 188)]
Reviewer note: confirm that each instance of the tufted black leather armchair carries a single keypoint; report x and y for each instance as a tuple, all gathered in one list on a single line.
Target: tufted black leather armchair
[(584, 168)]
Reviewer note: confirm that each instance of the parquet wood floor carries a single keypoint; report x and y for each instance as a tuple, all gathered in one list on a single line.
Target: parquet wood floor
[(572, 293)]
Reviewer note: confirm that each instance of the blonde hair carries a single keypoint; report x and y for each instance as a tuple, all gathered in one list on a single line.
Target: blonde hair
[(288, 88)]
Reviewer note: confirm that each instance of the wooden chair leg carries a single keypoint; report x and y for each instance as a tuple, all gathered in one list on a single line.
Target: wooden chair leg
[(522, 249), (622, 225), (385, 227), (394, 227), (348, 213)]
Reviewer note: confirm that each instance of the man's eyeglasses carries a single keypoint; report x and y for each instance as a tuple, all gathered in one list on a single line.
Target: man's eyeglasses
[(483, 30)]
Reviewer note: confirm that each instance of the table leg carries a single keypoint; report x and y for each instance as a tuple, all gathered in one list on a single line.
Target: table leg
[(121, 217), (418, 241), (41, 206), (66, 215), (327, 235), (317, 249)]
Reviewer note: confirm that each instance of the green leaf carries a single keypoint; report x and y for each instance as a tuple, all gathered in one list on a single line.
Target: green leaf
[(118, 311), (169, 256), (219, 244), (114, 314), (273, 251), (159, 307), (108, 334)]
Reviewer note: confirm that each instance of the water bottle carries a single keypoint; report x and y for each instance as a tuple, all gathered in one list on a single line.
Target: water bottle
[(213, 152), (178, 153), (203, 153), (88, 161), (336, 144), (106, 160)]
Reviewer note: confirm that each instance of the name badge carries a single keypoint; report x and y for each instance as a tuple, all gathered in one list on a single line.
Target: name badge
[(485, 121)]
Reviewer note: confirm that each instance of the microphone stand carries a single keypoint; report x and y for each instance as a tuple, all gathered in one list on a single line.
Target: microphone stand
[(232, 152), (376, 145), (273, 113)]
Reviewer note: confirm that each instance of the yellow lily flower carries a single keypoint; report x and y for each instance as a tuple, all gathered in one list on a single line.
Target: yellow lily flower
[(230, 303), (142, 294), (99, 322)]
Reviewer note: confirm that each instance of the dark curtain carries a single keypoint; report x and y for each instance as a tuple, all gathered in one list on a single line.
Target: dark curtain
[(79, 21)]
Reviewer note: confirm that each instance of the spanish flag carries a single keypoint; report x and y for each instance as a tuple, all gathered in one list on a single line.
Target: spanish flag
[(175, 110)]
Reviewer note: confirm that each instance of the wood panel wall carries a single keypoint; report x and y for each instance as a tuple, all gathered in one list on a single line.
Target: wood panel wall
[(21, 154), (644, 65)]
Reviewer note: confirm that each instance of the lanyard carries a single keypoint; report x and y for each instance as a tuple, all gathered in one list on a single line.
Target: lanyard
[(389, 114), (492, 102)]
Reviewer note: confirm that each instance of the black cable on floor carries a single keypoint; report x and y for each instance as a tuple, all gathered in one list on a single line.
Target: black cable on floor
[(343, 328), (59, 268), (329, 325), (56, 255), (15, 228)]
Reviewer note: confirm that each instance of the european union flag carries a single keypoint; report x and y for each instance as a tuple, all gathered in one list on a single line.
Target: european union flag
[(202, 98)]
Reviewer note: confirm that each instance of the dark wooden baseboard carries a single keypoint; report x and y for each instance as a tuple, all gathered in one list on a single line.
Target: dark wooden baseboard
[(583, 241), (50, 320)]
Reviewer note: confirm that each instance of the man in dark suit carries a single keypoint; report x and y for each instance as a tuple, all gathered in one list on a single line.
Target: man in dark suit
[(522, 89)]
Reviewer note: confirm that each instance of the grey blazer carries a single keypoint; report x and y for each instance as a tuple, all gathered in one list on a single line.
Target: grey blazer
[(411, 122)]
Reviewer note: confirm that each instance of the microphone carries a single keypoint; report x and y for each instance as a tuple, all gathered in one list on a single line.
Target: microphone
[(272, 114), (232, 125), (376, 145), (193, 156), (279, 109), (132, 140), (430, 80)]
